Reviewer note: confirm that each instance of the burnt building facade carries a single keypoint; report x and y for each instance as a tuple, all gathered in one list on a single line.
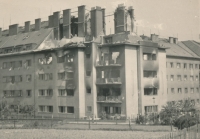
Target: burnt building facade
[(68, 67)]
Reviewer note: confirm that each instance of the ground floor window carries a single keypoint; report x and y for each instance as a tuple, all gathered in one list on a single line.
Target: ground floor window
[(41, 108), (49, 108), (70, 109), (112, 110), (61, 109), (151, 109)]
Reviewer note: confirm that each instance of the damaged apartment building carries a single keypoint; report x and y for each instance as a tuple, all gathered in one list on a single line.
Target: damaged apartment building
[(68, 67)]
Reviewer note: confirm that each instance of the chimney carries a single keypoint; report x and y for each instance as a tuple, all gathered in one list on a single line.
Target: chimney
[(154, 37), (131, 12), (13, 29), (0, 32), (175, 40), (104, 21), (67, 23), (81, 21), (171, 40), (119, 18), (27, 26), (56, 25), (50, 21), (96, 21), (37, 24)]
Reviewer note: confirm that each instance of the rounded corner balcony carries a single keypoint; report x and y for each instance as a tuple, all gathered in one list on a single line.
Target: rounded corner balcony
[(150, 64), (151, 82), (108, 81), (107, 64), (109, 99)]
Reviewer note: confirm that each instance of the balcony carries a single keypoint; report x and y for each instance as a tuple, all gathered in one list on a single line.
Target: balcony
[(109, 99), (150, 65), (151, 82), (104, 81), (107, 64)]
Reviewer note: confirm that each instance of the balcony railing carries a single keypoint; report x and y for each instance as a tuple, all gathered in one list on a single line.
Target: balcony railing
[(109, 99), (107, 63), (108, 81)]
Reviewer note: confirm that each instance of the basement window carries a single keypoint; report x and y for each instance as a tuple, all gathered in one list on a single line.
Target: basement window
[(150, 91)]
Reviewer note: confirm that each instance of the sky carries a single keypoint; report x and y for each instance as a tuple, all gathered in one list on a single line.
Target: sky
[(167, 18)]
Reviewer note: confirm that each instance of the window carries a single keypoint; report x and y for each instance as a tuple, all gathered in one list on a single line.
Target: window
[(28, 78), (70, 109), (150, 74), (70, 92), (4, 65), (185, 77), (197, 90), (12, 93), (179, 90), (197, 78), (28, 93), (149, 56), (28, 47), (191, 66), (61, 76), (70, 58), (150, 91), (196, 66), (46, 60), (61, 109), (48, 76), (185, 66), (41, 76), (27, 63), (191, 78), (178, 65), (89, 109), (89, 90), (171, 64), (151, 109), (172, 78), (41, 109), (12, 65), (172, 90), (61, 92), (186, 90), (115, 58), (60, 59), (198, 101), (191, 90), (41, 92), (179, 77), (49, 92), (88, 73), (49, 108), (12, 79)]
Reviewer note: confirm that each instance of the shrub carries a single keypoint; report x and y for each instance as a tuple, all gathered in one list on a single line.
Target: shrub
[(185, 122)]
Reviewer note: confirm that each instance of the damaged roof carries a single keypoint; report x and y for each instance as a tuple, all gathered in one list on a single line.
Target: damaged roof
[(33, 37)]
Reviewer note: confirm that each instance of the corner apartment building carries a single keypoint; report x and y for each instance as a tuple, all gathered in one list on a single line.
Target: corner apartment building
[(68, 67)]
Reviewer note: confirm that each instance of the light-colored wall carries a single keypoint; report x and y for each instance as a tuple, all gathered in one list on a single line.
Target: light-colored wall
[(182, 84)]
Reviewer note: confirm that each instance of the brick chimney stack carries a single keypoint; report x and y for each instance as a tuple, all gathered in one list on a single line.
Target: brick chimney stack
[(67, 23), (37, 24), (56, 25), (81, 21), (13, 29), (119, 17)]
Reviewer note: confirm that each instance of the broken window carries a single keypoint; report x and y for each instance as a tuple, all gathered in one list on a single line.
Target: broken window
[(60, 59), (70, 92), (115, 58), (150, 91), (41, 76), (49, 108), (150, 74), (70, 109), (61, 92), (28, 78), (49, 92), (61, 109), (70, 58), (46, 60), (61, 76)]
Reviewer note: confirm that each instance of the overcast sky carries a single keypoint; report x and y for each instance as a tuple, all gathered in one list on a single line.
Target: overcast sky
[(164, 17)]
